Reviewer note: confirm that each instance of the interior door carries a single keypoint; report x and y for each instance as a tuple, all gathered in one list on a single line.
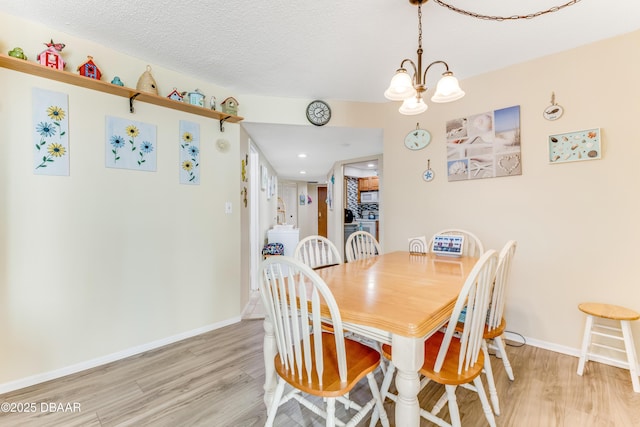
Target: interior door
[(322, 211)]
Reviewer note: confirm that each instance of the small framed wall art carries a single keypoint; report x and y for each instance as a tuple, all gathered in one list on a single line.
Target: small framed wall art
[(485, 145), (575, 146)]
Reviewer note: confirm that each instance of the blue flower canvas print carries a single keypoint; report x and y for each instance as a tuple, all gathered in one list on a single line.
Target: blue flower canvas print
[(189, 140), (130, 145), (50, 132)]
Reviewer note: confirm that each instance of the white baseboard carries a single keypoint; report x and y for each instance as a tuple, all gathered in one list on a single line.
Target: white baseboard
[(93, 363), (573, 352)]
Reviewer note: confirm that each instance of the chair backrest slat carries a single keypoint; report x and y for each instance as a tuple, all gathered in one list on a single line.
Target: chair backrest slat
[(475, 296), (317, 251), (498, 299), (361, 245), (293, 303)]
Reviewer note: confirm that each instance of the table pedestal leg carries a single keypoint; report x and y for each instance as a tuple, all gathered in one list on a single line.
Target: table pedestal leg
[(408, 356), (270, 351)]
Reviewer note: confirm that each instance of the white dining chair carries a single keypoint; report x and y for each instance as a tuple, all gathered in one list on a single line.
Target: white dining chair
[(472, 244), (454, 357), (317, 251), (361, 245), (310, 360), (496, 325)]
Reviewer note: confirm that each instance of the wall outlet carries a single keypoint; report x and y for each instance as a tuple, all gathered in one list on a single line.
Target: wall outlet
[(227, 208)]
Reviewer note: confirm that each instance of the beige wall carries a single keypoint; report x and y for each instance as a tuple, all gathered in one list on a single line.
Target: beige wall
[(106, 261), (576, 223)]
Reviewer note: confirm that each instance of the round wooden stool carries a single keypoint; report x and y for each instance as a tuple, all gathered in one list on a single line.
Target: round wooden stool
[(623, 333)]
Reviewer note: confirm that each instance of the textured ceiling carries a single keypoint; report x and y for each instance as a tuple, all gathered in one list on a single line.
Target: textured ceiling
[(331, 49)]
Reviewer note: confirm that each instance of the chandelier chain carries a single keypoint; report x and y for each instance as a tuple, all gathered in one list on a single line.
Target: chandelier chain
[(419, 26), (505, 18)]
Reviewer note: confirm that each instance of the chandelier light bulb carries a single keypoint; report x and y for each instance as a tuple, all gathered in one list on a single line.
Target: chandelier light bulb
[(401, 86), (448, 89), (412, 106)]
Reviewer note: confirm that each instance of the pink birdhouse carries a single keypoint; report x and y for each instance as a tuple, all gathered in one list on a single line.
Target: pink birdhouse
[(51, 58), (89, 69)]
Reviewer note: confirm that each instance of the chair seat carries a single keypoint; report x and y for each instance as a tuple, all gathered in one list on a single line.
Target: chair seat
[(449, 372), (364, 360), (488, 334), (495, 332), (608, 311)]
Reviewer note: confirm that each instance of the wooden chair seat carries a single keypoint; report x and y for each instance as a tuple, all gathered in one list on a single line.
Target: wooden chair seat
[(608, 311), (449, 372), (496, 332), (362, 360)]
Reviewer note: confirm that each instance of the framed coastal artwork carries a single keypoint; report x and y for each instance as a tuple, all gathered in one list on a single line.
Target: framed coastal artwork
[(575, 146), (484, 145)]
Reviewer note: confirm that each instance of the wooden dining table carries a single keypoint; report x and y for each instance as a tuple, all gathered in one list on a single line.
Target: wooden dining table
[(397, 298)]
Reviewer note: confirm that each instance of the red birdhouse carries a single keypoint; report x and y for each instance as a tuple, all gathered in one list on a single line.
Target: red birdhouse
[(89, 69)]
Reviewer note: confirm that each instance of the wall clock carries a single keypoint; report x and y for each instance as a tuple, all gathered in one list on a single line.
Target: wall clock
[(417, 139), (318, 113)]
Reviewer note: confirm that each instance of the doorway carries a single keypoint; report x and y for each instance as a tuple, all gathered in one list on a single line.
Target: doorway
[(322, 211)]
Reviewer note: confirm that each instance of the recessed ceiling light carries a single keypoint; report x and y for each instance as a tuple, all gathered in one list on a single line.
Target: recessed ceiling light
[(302, 155), (303, 172), (371, 165)]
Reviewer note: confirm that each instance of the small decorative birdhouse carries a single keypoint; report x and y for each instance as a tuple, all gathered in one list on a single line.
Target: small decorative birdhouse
[(196, 98), (89, 69), (146, 82), (17, 52), (116, 81), (51, 58), (175, 95), (230, 106)]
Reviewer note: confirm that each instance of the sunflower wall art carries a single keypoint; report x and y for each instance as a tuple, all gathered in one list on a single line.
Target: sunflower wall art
[(50, 132), (189, 153), (130, 145)]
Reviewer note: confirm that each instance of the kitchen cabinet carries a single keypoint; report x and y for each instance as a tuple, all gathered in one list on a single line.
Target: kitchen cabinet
[(36, 69), (369, 183)]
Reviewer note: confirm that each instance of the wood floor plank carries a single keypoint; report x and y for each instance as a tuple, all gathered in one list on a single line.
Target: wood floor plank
[(216, 379)]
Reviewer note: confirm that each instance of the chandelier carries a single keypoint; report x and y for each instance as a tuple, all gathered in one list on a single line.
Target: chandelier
[(410, 89)]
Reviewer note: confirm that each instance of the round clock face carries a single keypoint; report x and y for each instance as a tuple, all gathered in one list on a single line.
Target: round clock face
[(417, 139), (318, 113)]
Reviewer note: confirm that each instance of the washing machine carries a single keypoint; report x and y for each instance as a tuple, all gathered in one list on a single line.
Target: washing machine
[(287, 235)]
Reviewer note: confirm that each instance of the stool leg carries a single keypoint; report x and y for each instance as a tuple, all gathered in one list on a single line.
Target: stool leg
[(631, 354), (586, 341)]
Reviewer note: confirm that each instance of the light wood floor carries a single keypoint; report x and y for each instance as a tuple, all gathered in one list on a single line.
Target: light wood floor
[(216, 380)]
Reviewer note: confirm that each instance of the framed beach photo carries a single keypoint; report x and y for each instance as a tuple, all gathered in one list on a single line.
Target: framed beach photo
[(575, 146)]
